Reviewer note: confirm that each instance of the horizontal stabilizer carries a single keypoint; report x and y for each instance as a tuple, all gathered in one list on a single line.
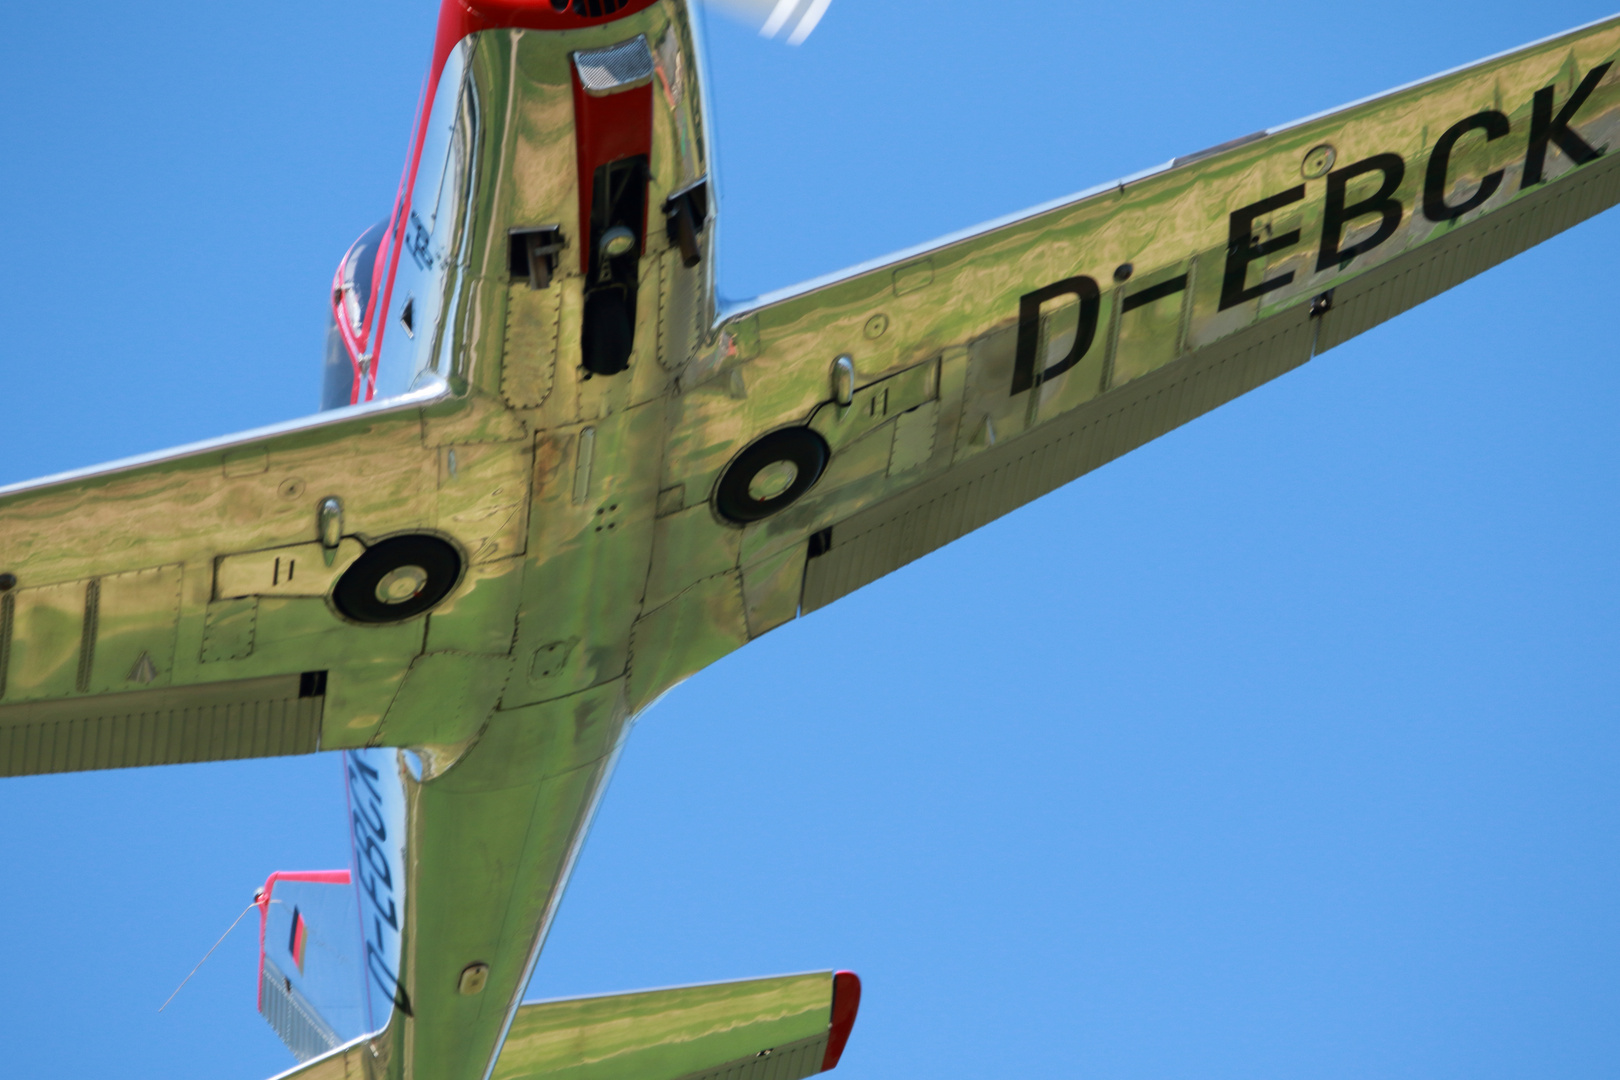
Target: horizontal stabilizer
[(348, 1062), (783, 1028)]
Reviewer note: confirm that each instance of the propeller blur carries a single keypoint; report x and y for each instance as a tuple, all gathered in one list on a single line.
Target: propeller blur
[(790, 19)]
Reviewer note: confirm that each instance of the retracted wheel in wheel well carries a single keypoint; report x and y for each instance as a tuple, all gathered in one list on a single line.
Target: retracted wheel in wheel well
[(398, 578), (770, 474)]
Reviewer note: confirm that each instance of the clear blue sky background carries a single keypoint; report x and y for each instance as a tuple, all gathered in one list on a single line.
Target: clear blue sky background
[(1284, 747)]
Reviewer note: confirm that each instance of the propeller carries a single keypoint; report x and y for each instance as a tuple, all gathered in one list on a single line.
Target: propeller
[(793, 19)]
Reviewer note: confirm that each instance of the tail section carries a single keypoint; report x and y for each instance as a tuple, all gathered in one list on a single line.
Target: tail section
[(329, 940), (329, 977)]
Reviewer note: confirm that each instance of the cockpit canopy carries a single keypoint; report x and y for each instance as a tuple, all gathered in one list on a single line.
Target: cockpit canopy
[(356, 275), (354, 298), (397, 291)]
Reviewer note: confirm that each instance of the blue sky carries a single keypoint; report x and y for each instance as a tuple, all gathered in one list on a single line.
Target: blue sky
[(1283, 747)]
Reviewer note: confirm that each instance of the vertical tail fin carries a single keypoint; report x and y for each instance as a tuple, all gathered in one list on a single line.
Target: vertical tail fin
[(375, 788), (329, 940), (309, 970)]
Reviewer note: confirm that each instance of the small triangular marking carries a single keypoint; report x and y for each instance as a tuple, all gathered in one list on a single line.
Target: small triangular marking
[(144, 670)]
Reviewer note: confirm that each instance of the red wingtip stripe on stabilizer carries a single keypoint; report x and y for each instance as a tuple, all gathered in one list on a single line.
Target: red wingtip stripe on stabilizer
[(846, 1002)]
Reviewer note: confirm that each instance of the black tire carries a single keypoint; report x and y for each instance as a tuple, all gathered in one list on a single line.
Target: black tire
[(357, 593), (800, 446)]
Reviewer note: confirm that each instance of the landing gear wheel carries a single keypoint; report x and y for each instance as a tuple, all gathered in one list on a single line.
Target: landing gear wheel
[(770, 474), (397, 579)]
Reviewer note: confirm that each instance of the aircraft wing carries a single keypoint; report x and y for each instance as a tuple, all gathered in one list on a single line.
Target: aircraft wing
[(174, 608), (963, 379)]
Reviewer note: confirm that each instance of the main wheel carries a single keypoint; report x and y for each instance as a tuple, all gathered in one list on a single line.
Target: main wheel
[(397, 578), (770, 474)]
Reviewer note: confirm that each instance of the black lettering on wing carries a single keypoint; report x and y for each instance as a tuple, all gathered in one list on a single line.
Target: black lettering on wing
[(1435, 180), (1241, 249), (1029, 329), (1154, 292), (1546, 128), (1336, 215)]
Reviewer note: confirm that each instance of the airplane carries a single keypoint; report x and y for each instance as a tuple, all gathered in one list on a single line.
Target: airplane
[(741, 399)]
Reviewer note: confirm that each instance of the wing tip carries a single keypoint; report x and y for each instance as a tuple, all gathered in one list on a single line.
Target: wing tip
[(846, 1002)]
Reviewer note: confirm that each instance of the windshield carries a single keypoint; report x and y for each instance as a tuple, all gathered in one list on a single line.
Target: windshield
[(388, 353), (415, 338), (357, 276)]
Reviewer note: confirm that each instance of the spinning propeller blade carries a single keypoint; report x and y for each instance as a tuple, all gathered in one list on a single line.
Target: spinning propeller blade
[(793, 19)]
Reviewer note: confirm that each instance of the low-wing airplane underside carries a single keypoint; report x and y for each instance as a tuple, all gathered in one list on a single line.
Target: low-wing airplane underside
[(556, 476)]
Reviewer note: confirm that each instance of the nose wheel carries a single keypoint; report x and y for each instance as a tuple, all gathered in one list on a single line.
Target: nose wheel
[(397, 579)]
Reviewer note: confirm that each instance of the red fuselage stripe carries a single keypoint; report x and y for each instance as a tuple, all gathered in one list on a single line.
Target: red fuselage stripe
[(606, 129)]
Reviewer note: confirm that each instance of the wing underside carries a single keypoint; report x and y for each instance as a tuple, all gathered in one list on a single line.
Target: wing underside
[(993, 367), (878, 540), (179, 608)]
